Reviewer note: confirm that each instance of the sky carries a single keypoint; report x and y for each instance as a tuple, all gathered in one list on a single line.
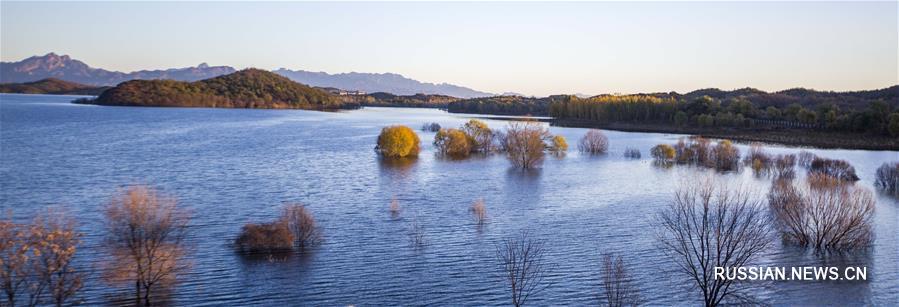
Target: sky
[(530, 48)]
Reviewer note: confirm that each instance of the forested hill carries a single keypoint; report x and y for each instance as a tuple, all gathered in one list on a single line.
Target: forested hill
[(51, 86), (507, 105), (249, 88)]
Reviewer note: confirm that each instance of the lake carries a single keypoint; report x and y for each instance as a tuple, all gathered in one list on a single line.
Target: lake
[(235, 166)]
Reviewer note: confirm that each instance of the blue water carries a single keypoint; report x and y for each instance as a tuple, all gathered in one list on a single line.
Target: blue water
[(234, 166)]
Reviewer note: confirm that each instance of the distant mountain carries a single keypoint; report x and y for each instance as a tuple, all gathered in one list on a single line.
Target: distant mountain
[(385, 82), (51, 86), (249, 88), (65, 68)]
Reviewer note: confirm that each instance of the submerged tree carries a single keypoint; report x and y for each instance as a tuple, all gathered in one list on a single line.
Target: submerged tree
[(36, 259), (480, 135), (398, 142), (524, 143), (301, 224), (452, 143), (618, 288), (524, 266), (710, 225), (559, 145), (146, 235), (888, 177), (823, 212), (594, 142)]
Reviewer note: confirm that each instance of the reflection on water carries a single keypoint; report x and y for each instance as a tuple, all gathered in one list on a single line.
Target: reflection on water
[(231, 167)]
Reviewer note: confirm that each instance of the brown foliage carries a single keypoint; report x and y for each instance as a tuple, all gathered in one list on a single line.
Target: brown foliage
[(524, 143), (594, 142), (824, 213), (618, 287), (479, 211), (272, 237), (524, 267), (710, 225), (36, 259), (146, 236), (302, 225), (839, 169)]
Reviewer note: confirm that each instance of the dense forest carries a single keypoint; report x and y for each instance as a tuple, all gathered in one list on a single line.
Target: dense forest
[(507, 105), (381, 99), (51, 86), (876, 117), (836, 118), (249, 88)]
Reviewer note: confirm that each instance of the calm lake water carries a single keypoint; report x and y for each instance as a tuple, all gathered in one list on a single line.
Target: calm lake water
[(231, 167)]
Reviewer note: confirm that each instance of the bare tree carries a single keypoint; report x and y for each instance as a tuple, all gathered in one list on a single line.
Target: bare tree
[(36, 259), (524, 143), (479, 211), (711, 225), (522, 259), (55, 239), (594, 142), (302, 224), (146, 237), (823, 212), (14, 247), (417, 234), (888, 177), (618, 288)]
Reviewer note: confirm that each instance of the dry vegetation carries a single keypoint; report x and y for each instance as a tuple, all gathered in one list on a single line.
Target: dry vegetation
[(888, 177), (711, 225), (395, 209), (295, 228), (594, 142), (417, 236), (479, 212), (632, 153), (618, 288), (824, 213), (524, 143), (269, 238), (146, 237), (36, 261), (523, 262), (838, 169)]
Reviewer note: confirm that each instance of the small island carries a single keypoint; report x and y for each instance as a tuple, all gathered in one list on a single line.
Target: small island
[(249, 88), (51, 86)]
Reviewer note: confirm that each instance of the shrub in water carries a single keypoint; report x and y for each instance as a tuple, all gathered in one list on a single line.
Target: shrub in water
[(397, 142)]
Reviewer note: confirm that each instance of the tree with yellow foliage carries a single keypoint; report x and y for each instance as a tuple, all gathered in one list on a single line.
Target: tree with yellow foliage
[(453, 143), (559, 145), (398, 142)]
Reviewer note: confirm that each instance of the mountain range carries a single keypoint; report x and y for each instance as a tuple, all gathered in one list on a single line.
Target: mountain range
[(63, 67)]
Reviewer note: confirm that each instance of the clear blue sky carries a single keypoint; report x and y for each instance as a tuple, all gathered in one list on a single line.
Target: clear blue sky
[(531, 48)]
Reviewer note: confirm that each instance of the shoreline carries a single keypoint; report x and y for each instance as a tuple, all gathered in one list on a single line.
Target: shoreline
[(789, 137)]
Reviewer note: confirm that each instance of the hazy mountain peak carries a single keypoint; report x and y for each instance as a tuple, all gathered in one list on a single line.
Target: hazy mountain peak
[(65, 68)]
